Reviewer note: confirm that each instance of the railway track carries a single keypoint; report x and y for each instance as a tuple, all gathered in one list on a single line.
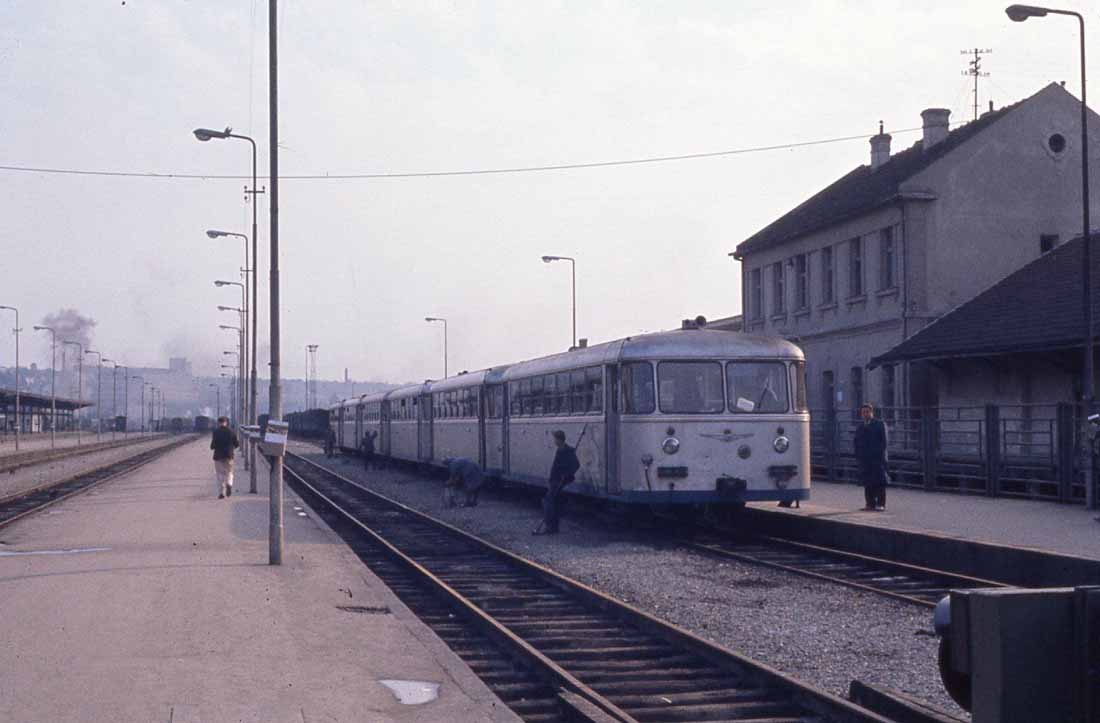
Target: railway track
[(551, 648), (911, 584), (33, 500), (17, 460)]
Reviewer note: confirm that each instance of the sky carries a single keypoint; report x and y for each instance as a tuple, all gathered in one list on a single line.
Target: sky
[(423, 87)]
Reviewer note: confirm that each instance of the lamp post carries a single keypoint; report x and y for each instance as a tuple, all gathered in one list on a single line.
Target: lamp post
[(218, 408), (79, 379), (243, 331), (125, 401), (18, 420), (573, 264), (143, 382), (98, 409), (239, 389), (430, 319), (311, 351), (204, 134), (1020, 13), (153, 408), (114, 397), (53, 386)]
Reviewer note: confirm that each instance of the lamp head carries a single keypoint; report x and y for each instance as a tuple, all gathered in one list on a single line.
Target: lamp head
[(43, 328), (1020, 13), (205, 134), (548, 259)]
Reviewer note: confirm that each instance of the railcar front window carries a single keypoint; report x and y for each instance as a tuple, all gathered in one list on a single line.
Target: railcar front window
[(757, 387), (638, 396), (690, 387)]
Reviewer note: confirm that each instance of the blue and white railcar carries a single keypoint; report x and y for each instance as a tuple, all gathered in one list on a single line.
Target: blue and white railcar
[(682, 417)]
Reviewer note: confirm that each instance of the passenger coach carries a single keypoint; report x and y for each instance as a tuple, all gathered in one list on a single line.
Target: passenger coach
[(682, 417)]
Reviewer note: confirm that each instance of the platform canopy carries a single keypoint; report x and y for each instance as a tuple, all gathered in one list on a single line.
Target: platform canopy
[(40, 401)]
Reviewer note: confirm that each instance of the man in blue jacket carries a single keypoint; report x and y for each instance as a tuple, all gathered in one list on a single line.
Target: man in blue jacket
[(562, 472), (870, 448)]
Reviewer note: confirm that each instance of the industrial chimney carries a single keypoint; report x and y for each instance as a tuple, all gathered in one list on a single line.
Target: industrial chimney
[(935, 126)]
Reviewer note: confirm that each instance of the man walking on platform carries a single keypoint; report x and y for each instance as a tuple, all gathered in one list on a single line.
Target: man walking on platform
[(870, 449), (224, 443), (562, 470)]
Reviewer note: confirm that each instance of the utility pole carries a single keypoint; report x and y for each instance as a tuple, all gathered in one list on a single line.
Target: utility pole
[(311, 377), (975, 71), (275, 522)]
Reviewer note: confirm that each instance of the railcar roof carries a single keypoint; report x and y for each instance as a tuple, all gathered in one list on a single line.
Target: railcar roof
[(409, 390), (679, 344), (467, 379)]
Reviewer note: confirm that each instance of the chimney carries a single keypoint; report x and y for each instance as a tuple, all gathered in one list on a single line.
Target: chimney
[(880, 147), (935, 126)]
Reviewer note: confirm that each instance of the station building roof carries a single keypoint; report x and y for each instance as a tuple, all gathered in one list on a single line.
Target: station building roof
[(42, 401), (1036, 309)]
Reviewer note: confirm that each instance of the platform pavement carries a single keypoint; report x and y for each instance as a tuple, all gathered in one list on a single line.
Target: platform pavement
[(149, 599), (1048, 526)]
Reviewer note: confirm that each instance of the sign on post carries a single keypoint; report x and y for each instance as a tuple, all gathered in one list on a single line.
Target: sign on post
[(273, 443)]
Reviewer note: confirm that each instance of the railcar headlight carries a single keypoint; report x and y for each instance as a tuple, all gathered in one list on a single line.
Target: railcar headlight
[(781, 444), (671, 445)]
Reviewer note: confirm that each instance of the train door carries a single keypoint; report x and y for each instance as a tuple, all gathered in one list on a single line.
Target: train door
[(482, 401), (384, 442), (423, 427), (613, 453), (506, 413)]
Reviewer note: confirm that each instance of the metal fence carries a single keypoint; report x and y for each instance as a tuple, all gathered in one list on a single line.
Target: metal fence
[(1029, 451)]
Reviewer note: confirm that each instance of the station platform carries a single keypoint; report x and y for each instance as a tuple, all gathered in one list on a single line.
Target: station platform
[(41, 441), (1045, 526), (149, 599)]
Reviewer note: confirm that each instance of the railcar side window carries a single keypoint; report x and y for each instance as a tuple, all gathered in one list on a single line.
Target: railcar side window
[(800, 403), (690, 387), (757, 387), (593, 389), (637, 381)]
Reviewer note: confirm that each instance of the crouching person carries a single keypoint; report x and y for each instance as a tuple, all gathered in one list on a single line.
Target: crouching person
[(463, 475)]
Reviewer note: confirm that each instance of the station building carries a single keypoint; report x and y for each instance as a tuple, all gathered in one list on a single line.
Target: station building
[(37, 413), (883, 252)]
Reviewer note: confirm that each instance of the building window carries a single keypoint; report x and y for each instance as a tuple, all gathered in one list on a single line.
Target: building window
[(1047, 242), (801, 283), (886, 258), (855, 267), (828, 295), (857, 387), (756, 295), (779, 289)]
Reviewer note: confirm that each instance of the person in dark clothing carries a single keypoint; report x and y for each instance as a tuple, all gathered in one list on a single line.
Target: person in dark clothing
[(224, 443), (870, 448), (462, 474), (562, 472), (330, 442), (366, 448)]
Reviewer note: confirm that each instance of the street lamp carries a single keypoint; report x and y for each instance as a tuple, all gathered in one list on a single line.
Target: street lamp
[(205, 134), (1020, 13), (125, 401), (53, 386), (98, 409), (18, 421), (218, 409), (114, 397), (239, 406), (439, 318), (143, 383), (79, 380), (573, 263)]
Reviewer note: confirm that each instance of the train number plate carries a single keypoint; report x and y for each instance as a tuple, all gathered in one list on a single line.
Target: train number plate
[(672, 472)]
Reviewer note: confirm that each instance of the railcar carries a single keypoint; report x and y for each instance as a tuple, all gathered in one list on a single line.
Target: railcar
[(693, 416)]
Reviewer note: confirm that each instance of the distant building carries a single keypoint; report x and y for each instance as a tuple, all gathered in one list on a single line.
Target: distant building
[(179, 365), (874, 258)]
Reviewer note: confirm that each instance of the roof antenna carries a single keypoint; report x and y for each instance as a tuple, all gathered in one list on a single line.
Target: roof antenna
[(975, 70)]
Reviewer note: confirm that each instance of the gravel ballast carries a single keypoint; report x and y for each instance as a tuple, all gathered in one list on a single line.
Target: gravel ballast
[(821, 633)]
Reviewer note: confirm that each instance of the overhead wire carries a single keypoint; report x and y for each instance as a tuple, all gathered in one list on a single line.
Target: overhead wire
[(438, 174)]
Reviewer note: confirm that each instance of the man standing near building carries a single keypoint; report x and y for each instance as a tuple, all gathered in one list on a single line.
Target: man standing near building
[(224, 443), (870, 449), (562, 470)]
